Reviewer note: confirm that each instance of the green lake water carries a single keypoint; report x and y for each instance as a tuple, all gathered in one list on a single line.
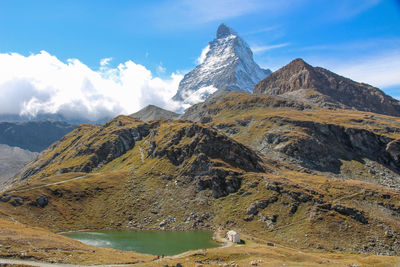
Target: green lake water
[(150, 242)]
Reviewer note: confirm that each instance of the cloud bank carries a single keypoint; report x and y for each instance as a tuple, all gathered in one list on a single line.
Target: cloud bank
[(42, 84)]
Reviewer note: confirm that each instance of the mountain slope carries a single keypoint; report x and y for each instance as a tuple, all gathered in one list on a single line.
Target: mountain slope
[(33, 135), (12, 159), (338, 143), (180, 175), (197, 150), (152, 112), (227, 65), (300, 81)]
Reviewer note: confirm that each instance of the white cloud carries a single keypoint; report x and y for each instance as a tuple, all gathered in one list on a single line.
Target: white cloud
[(105, 61), (198, 96), (41, 83), (203, 55), (260, 49)]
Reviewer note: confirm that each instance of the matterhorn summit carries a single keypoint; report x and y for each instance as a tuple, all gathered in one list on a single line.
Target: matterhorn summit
[(225, 64)]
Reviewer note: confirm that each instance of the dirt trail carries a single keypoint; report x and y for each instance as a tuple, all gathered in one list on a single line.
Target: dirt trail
[(46, 185)]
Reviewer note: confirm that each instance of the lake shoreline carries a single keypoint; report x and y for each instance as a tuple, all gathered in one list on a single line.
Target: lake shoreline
[(153, 242)]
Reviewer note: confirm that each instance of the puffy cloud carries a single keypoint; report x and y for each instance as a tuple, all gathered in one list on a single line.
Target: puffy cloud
[(41, 83), (194, 97)]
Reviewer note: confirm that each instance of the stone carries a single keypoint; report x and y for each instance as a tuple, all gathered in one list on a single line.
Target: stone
[(163, 223), (42, 201), (5, 198), (252, 209), (17, 202)]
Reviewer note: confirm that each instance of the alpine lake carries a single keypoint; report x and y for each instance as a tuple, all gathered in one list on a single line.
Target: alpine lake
[(150, 242)]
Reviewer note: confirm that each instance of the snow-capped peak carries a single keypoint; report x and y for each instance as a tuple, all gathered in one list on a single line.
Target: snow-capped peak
[(225, 64)]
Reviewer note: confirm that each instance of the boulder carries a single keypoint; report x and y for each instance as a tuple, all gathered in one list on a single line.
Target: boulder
[(42, 201)]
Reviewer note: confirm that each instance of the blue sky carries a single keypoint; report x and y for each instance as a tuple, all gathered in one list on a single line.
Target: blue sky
[(356, 38)]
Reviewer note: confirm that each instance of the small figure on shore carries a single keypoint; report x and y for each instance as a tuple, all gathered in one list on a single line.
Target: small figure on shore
[(162, 256), (158, 257)]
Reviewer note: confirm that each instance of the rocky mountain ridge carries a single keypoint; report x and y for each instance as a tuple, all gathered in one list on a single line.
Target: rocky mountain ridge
[(314, 85)]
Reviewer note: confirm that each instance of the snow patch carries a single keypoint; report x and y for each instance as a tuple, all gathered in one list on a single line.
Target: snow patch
[(203, 55)]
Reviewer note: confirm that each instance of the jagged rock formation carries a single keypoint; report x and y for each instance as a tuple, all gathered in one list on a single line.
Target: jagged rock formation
[(228, 65), (314, 85), (152, 112), (12, 159), (33, 135)]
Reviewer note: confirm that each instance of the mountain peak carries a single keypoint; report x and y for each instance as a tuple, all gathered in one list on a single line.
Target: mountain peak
[(299, 61), (227, 64), (224, 31), (314, 85), (152, 112)]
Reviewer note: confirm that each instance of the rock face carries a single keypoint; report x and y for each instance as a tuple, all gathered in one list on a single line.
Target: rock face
[(213, 161), (227, 65), (152, 112), (314, 85)]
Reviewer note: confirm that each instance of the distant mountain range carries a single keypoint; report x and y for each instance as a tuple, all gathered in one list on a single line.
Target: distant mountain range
[(314, 85), (12, 159), (228, 64), (34, 136)]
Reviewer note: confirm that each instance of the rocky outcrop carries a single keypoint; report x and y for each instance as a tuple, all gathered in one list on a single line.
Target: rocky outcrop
[(212, 160), (206, 144), (300, 81), (324, 146)]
